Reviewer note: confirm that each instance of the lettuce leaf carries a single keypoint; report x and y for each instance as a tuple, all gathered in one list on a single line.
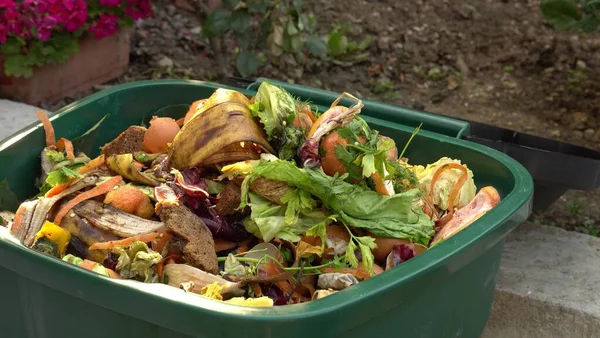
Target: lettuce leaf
[(137, 262), (275, 108), (269, 220), (386, 216)]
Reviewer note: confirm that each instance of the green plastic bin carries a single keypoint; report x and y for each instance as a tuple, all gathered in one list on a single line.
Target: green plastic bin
[(445, 292)]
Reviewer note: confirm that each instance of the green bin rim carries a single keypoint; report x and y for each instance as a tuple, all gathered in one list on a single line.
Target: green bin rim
[(510, 206)]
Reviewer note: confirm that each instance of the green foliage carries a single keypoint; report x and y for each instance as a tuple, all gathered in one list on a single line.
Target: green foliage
[(22, 56), (574, 16), (278, 26), (339, 46)]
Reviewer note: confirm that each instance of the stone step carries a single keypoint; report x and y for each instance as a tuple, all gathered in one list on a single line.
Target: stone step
[(548, 285)]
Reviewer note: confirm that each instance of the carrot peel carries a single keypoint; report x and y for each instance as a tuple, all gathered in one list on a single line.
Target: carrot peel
[(159, 236), (97, 191), (63, 143), (48, 129), (91, 165)]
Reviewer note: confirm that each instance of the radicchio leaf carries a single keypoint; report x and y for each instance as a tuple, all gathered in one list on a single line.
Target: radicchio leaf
[(275, 293), (309, 154), (191, 182), (400, 253), (229, 228)]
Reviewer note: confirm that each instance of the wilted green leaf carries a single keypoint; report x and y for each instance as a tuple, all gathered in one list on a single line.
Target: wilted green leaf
[(337, 44), (11, 46), (84, 142), (257, 6), (243, 39), (18, 66), (297, 5), (8, 200), (316, 45), (230, 3), (247, 63), (291, 28), (65, 46), (590, 6), (588, 24), (562, 14), (240, 20), (217, 23)]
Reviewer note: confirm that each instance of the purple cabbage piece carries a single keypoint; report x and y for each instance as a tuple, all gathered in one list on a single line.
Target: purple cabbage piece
[(400, 253), (275, 293), (309, 154), (228, 228), (192, 183)]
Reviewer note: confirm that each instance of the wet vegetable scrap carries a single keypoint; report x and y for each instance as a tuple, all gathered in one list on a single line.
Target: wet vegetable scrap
[(250, 201)]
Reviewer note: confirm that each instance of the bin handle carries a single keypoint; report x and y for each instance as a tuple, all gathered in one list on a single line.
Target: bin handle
[(410, 117)]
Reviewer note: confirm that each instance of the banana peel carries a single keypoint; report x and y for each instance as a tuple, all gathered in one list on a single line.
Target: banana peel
[(124, 165), (223, 122)]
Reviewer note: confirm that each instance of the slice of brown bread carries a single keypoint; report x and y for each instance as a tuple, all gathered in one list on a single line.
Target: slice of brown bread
[(129, 141), (200, 248), (229, 199)]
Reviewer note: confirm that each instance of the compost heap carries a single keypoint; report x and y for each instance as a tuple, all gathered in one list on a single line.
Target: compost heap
[(258, 202)]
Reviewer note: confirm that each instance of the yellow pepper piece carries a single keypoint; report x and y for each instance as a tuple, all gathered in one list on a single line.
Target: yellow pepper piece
[(56, 234), (212, 291)]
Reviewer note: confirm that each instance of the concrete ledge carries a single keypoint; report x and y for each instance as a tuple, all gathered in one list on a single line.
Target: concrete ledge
[(548, 285), (14, 116)]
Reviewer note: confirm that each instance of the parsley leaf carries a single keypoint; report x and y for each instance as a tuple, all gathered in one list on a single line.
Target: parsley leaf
[(366, 244), (350, 256), (60, 176)]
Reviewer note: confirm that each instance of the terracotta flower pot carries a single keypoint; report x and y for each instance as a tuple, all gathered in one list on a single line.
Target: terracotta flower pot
[(97, 61)]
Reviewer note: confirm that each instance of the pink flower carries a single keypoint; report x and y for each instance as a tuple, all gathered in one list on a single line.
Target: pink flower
[(105, 26), (109, 3), (3, 32), (14, 21), (7, 4), (44, 26), (138, 9), (74, 14)]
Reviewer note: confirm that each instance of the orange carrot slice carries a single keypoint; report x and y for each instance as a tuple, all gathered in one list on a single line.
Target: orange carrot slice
[(48, 129), (90, 265), (94, 192), (379, 185), (91, 165), (63, 143), (151, 237), (57, 189), (159, 243)]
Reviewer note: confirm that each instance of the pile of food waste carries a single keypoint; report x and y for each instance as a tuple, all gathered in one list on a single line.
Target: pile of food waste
[(259, 201)]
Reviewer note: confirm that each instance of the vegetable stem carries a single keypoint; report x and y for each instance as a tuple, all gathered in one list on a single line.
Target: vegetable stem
[(415, 132)]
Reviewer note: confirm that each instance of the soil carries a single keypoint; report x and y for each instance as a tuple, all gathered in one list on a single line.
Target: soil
[(490, 61)]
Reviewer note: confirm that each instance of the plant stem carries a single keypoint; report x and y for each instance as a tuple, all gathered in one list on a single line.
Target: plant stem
[(202, 10)]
